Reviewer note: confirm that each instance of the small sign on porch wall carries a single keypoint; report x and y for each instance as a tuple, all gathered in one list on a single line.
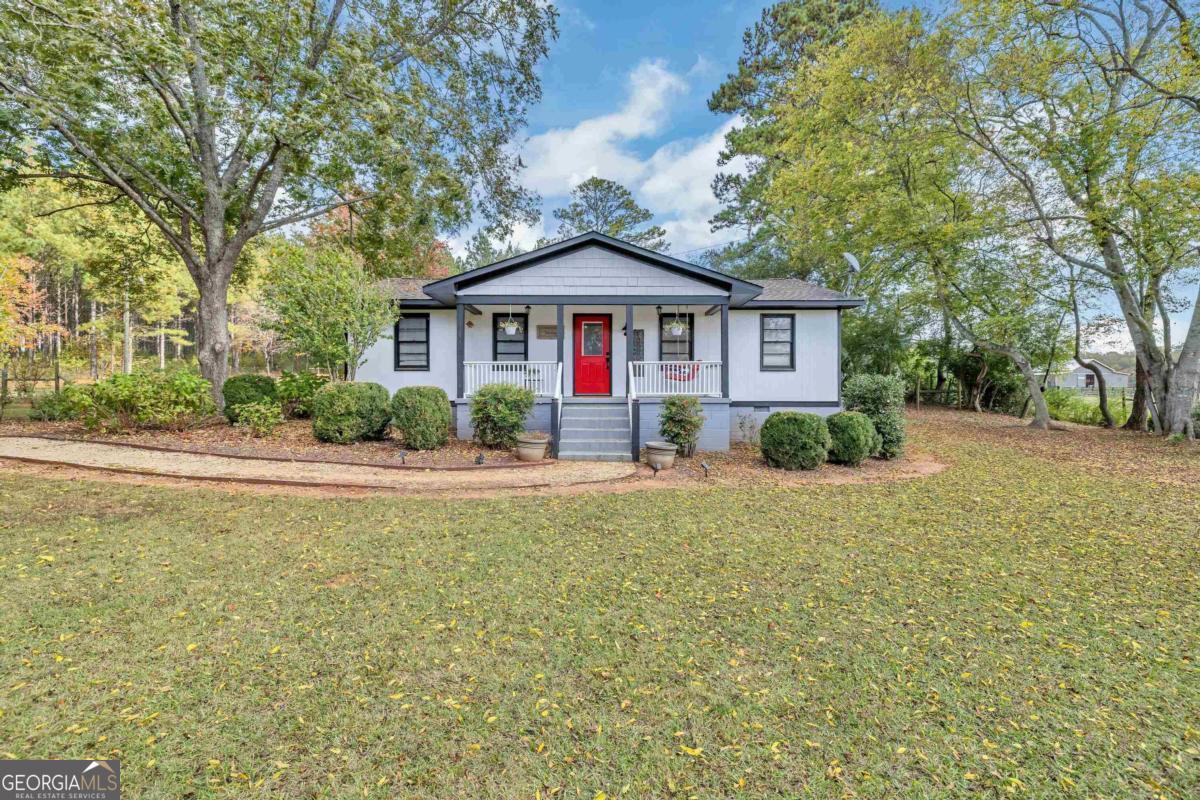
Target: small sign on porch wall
[(547, 331)]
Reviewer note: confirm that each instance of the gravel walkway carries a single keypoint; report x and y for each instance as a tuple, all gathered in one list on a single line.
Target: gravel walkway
[(117, 458)]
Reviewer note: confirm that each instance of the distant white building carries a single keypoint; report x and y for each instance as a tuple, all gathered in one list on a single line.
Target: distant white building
[(1082, 378)]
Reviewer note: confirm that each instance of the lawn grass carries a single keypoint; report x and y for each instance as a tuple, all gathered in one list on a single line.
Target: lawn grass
[(1013, 626)]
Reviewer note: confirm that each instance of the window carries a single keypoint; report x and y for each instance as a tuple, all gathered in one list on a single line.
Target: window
[(510, 346), (675, 345), (777, 338), (412, 342)]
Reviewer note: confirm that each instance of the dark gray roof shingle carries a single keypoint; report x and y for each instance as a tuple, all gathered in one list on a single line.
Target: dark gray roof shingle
[(404, 288), (774, 290), (793, 289)]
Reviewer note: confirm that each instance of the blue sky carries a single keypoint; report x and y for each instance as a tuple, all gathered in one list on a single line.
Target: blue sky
[(625, 92)]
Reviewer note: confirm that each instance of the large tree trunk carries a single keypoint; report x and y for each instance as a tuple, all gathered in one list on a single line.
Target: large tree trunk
[(212, 333), (162, 347), (93, 346), (1185, 381), (1138, 413), (1101, 387), (127, 343)]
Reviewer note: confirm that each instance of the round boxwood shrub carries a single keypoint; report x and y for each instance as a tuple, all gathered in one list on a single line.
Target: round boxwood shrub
[(350, 412), (295, 391), (792, 440), (890, 429), (852, 437), (498, 412), (880, 397), (421, 414), (242, 390)]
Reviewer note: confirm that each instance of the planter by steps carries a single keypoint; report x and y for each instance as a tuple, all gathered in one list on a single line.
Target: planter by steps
[(661, 454), (531, 446)]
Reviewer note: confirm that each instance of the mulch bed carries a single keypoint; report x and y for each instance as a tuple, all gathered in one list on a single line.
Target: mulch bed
[(291, 440)]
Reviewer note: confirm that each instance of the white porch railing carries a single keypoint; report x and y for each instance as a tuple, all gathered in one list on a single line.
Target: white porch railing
[(658, 378), (539, 376)]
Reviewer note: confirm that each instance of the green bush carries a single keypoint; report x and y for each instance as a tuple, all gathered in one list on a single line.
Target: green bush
[(881, 398), (350, 412), (852, 436), (261, 418), (873, 394), (792, 440), (174, 400), (295, 390), (680, 421), (498, 413), (242, 390), (1196, 415), (422, 416), (54, 407), (890, 432)]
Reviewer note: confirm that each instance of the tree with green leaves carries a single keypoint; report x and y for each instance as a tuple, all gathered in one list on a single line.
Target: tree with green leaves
[(869, 166), (482, 250), (1105, 167), (772, 50), (324, 304), (220, 123), (606, 206)]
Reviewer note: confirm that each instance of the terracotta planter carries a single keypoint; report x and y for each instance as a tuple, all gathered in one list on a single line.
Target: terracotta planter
[(531, 446), (661, 454)]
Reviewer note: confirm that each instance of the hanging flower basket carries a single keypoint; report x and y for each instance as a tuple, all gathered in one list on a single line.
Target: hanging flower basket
[(675, 328), (511, 327)]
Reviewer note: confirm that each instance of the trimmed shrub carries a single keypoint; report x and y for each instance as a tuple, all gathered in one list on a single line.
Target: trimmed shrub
[(852, 437), (680, 421), (174, 400), (873, 394), (422, 416), (891, 435), (350, 412), (261, 418), (295, 390), (241, 390), (881, 398), (792, 440), (498, 413), (54, 407)]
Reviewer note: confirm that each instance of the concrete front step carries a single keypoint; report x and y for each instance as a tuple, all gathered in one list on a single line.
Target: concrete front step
[(575, 455)]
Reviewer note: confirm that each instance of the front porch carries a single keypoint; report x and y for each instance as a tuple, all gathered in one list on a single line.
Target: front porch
[(594, 351)]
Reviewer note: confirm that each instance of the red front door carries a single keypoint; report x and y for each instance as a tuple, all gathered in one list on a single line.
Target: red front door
[(593, 354)]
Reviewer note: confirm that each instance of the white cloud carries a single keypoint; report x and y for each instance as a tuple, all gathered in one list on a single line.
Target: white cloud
[(562, 157), (674, 181)]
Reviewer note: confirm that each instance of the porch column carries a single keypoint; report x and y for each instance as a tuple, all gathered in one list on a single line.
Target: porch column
[(628, 345), (558, 326), (725, 350), (460, 329)]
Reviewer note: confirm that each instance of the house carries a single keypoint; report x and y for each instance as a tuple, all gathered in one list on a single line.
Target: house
[(1083, 379), (602, 331)]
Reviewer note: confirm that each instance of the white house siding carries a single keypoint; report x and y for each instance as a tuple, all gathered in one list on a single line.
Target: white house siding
[(590, 271), (815, 378), (379, 366)]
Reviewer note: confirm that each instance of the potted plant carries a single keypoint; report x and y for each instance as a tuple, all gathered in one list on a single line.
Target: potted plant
[(531, 446), (661, 455)]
